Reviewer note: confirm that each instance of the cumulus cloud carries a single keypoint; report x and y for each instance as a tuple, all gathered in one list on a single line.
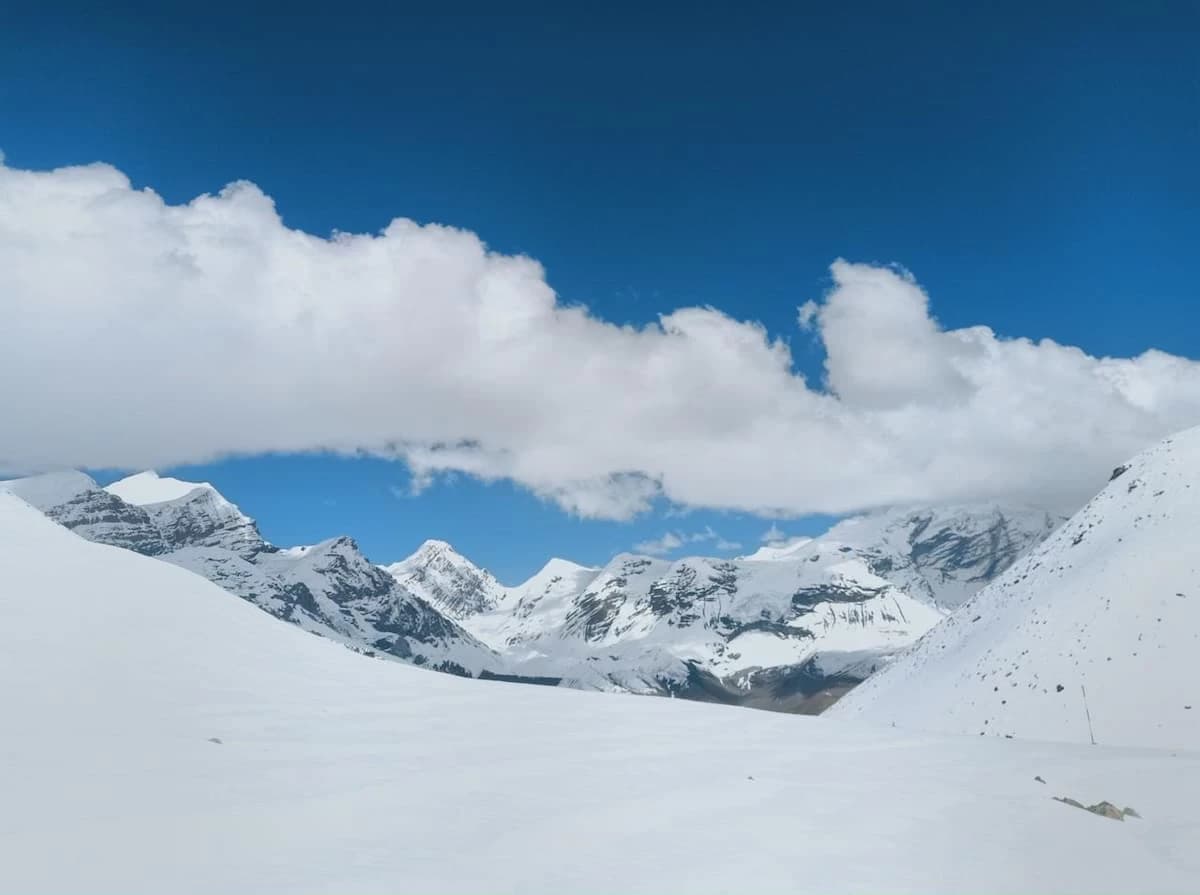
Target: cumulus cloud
[(673, 540), (135, 333)]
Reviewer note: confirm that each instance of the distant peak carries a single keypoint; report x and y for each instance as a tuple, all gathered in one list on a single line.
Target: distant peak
[(557, 567), (149, 487), (330, 545), (557, 564), (428, 551)]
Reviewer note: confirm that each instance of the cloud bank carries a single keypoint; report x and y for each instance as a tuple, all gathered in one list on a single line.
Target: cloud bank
[(134, 333)]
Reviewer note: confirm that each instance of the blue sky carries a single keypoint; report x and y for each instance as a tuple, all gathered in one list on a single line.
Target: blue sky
[(1033, 165)]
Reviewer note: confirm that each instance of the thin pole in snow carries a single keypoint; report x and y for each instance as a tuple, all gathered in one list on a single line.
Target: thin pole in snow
[(1088, 712)]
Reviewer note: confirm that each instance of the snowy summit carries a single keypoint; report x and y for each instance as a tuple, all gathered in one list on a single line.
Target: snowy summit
[(149, 487)]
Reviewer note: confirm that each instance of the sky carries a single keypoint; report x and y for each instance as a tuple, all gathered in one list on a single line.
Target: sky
[(659, 346)]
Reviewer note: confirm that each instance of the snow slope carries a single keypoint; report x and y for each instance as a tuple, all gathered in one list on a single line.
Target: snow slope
[(335, 773), (49, 489), (779, 550), (1109, 606)]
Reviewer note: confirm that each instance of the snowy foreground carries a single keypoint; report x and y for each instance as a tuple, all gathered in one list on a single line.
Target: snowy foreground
[(339, 773)]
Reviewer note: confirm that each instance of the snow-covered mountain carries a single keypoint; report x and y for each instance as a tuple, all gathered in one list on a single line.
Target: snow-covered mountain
[(448, 580), (789, 627), (191, 514), (72, 499), (154, 723), (1094, 633), (329, 588)]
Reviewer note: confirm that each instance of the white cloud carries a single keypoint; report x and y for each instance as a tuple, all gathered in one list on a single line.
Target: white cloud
[(668, 542), (775, 538), (673, 540), (134, 333), (773, 535)]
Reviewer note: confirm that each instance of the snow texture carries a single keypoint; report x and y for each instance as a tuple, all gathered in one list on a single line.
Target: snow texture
[(149, 487), (164, 736), (1094, 634)]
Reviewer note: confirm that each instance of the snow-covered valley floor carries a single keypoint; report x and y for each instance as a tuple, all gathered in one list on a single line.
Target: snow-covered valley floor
[(339, 773)]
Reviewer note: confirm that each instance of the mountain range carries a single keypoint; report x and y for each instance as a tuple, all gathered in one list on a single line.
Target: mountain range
[(791, 627)]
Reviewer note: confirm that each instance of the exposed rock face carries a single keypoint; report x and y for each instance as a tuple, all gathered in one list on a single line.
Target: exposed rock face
[(1104, 809), (101, 517), (203, 518)]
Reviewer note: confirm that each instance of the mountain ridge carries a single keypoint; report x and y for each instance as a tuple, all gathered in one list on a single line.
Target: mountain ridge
[(329, 589), (787, 628)]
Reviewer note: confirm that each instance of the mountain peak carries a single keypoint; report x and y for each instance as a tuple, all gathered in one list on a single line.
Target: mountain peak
[(149, 487), (432, 551), (554, 570), (556, 565), (441, 575), (433, 545), (338, 544)]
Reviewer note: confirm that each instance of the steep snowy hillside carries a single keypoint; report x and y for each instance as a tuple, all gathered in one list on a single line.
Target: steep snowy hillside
[(1102, 619), (329, 589), (163, 736)]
